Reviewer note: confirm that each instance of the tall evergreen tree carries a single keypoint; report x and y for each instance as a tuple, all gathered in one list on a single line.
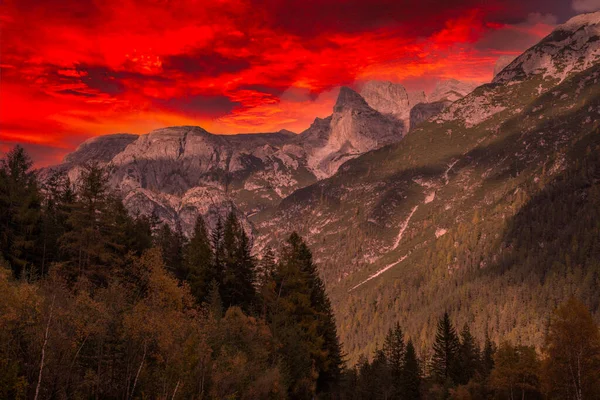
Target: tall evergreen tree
[(201, 271), (469, 357), (444, 363), (238, 285), (487, 357), (58, 200), (20, 212), (172, 244), (93, 242), (411, 374), (394, 349), (301, 293)]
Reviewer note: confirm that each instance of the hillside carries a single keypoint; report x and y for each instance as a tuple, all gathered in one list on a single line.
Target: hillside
[(489, 211)]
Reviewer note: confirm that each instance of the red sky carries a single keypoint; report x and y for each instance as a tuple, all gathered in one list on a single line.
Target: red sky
[(71, 69)]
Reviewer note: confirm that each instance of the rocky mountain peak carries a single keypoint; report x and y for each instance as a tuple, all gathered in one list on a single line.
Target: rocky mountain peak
[(386, 97), (451, 90), (349, 99), (572, 47)]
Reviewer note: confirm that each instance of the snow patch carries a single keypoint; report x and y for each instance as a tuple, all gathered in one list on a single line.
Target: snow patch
[(439, 232), (403, 227), (430, 197), (381, 271)]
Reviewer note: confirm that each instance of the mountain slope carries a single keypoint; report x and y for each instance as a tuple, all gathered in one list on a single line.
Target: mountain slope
[(435, 222), (180, 172)]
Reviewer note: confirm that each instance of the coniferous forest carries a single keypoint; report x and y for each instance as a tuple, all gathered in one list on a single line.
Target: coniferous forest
[(99, 304)]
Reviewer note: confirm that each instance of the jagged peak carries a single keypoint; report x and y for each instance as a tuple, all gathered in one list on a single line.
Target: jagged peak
[(571, 47), (580, 21), (348, 98)]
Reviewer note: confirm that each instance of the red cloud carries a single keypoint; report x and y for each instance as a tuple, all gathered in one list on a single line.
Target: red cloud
[(76, 68)]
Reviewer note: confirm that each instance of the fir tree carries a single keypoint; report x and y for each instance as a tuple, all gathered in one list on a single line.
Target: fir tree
[(171, 244), (201, 272), (93, 242), (20, 212), (301, 292), (411, 374), (469, 358), (487, 358), (58, 200), (444, 363), (394, 349), (239, 266)]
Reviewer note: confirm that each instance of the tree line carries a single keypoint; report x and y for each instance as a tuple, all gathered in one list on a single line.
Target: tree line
[(566, 367), (97, 303)]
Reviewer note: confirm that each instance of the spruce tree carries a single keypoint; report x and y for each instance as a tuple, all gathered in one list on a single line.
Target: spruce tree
[(394, 349), (445, 361), (57, 201), (487, 358), (20, 212), (411, 374), (469, 358), (202, 275), (171, 244), (301, 292), (91, 243), (239, 265)]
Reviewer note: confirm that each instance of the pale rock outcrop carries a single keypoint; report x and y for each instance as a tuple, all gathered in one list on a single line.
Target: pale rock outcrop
[(451, 90), (180, 172)]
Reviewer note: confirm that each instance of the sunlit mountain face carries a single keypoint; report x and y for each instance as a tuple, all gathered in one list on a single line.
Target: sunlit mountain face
[(72, 69)]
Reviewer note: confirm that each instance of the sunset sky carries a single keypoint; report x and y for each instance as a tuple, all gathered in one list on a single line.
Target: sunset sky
[(71, 69)]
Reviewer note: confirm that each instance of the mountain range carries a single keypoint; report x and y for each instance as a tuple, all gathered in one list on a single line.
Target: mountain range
[(413, 204)]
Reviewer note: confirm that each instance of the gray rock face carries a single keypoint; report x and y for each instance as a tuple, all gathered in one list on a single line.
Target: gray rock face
[(451, 90), (425, 111), (101, 148), (353, 129), (386, 97), (180, 172), (412, 108)]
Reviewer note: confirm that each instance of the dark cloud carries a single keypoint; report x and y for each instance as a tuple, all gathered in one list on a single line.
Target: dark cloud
[(199, 106), (212, 64)]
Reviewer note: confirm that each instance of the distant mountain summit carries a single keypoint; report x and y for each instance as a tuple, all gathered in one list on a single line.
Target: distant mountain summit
[(571, 47), (485, 206), (412, 108), (179, 172)]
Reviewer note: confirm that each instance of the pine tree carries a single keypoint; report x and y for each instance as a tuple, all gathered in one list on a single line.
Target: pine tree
[(487, 358), (201, 272), (303, 302), (239, 279), (411, 374), (171, 244), (469, 358), (93, 242), (394, 349), (20, 212), (266, 268), (58, 200), (444, 363)]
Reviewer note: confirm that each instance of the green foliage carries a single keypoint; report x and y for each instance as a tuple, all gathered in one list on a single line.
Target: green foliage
[(20, 212), (239, 266), (200, 269), (445, 363)]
